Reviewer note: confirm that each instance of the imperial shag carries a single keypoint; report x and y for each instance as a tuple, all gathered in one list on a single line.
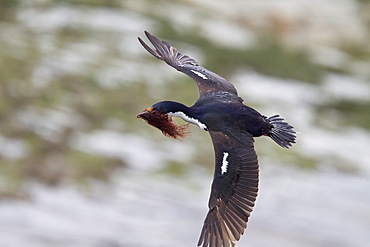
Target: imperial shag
[(232, 126)]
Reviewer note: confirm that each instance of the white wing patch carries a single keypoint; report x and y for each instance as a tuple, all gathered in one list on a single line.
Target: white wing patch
[(199, 74), (188, 119), (225, 163)]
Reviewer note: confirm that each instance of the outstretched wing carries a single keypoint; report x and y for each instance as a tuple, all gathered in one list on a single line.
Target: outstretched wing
[(234, 191), (206, 80)]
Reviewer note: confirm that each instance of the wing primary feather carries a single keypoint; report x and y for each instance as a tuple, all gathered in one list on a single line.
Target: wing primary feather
[(238, 220), (216, 234), (206, 80), (246, 211), (246, 192), (158, 44), (231, 225), (201, 238), (244, 201), (206, 238), (252, 188), (240, 193), (222, 231), (212, 236), (164, 51), (226, 237), (239, 213), (150, 50), (248, 182), (252, 175)]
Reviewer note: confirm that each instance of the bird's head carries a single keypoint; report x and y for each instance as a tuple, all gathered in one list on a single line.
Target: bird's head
[(158, 116)]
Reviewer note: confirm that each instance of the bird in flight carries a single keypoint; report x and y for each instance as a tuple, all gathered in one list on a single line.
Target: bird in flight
[(232, 127)]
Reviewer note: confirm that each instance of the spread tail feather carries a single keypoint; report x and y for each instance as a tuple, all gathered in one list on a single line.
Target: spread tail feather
[(282, 133)]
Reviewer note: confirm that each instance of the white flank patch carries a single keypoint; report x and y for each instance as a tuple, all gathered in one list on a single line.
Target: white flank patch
[(199, 74), (225, 163), (188, 119)]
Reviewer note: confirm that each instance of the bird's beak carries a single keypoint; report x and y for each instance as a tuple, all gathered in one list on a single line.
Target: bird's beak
[(146, 111)]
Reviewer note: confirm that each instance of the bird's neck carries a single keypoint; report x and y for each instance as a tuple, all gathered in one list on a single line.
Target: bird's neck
[(188, 115)]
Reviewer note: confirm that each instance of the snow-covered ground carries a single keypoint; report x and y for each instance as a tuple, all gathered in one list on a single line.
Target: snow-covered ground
[(141, 207), (295, 208)]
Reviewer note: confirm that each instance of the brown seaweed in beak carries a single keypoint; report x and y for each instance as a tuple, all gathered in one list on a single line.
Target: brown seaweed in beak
[(164, 123)]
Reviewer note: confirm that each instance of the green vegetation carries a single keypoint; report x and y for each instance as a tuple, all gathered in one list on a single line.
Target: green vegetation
[(357, 51), (269, 56), (7, 9), (28, 112), (351, 112), (174, 168), (103, 3), (44, 114)]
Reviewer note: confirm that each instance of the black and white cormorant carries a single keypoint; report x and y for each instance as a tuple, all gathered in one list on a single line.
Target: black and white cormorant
[(232, 126)]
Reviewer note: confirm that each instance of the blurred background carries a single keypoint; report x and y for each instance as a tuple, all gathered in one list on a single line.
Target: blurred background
[(78, 169)]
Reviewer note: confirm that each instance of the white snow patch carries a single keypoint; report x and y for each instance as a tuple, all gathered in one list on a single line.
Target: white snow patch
[(227, 34), (350, 145), (297, 22), (103, 19), (347, 87), (270, 90), (12, 149), (140, 153), (140, 204)]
